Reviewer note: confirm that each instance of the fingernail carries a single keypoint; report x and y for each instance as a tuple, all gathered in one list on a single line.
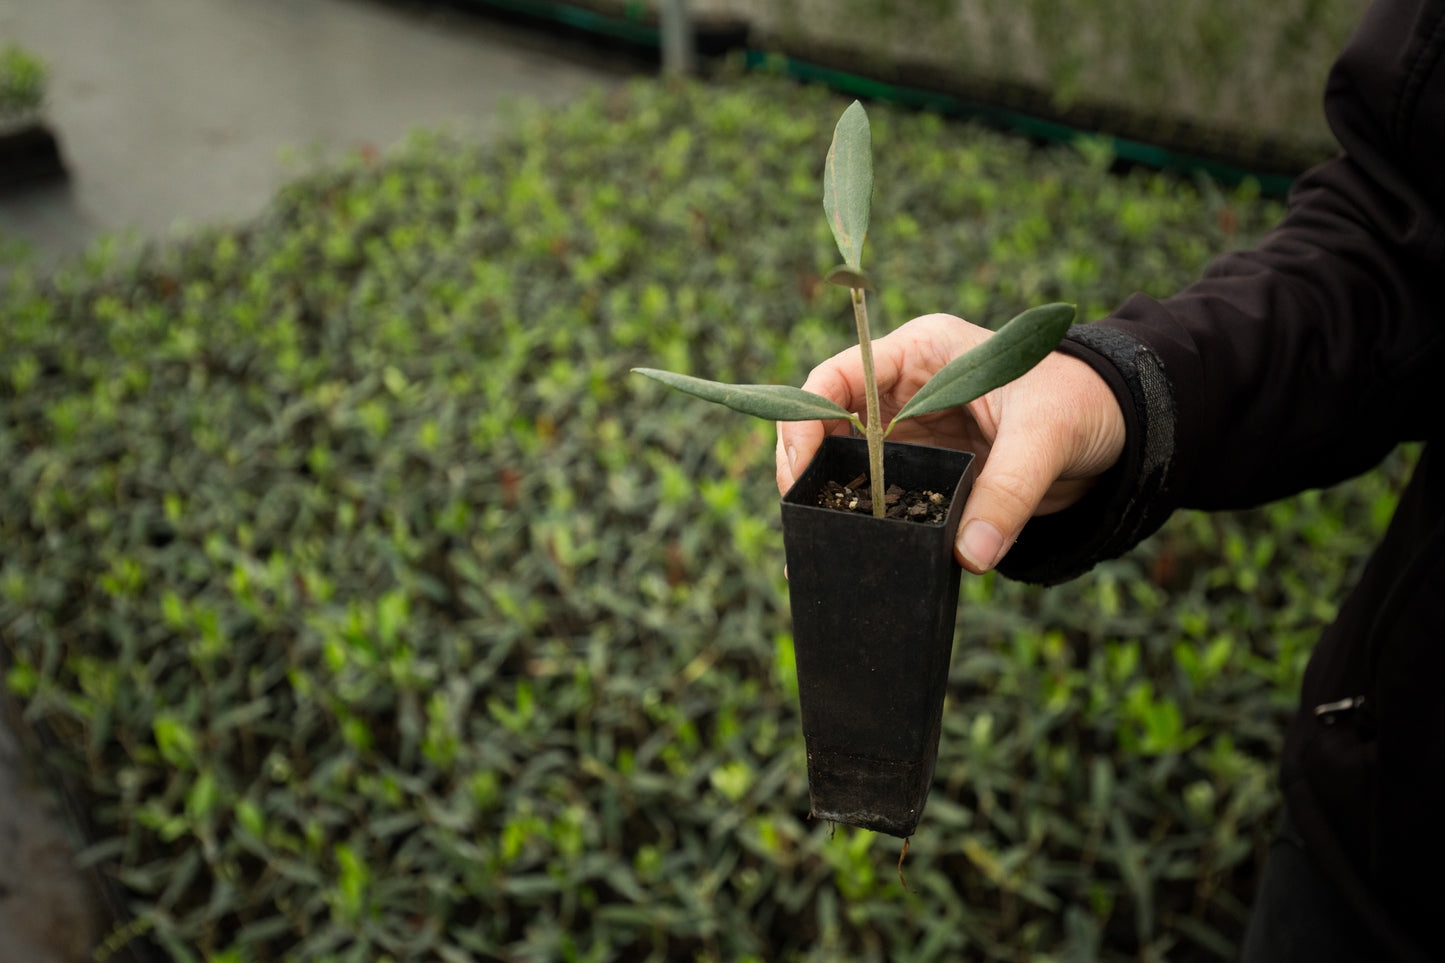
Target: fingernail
[(981, 544), (792, 458)]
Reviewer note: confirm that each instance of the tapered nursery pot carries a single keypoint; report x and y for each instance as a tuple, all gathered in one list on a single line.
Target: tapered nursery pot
[(874, 603)]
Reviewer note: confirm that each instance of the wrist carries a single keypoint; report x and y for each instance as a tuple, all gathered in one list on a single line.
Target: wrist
[(1127, 500)]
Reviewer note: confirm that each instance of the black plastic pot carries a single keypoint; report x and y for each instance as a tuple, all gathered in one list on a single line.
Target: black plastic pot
[(28, 155), (874, 603)]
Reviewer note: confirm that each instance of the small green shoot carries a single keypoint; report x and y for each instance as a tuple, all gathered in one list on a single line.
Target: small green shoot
[(847, 199)]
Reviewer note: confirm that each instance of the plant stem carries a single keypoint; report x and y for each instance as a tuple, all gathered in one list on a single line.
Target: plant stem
[(873, 430)]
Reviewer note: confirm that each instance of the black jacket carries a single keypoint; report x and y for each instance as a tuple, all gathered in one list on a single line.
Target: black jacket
[(1294, 366)]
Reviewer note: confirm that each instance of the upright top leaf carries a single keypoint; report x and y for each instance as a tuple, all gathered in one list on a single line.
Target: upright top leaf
[(848, 183)]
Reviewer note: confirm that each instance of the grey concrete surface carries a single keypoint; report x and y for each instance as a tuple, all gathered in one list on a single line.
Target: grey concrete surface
[(48, 911), (173, 113)]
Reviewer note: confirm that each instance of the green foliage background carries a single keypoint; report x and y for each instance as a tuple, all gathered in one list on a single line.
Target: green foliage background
[(378, 613)]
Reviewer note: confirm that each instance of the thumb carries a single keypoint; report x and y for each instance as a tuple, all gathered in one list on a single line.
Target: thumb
[(1015, 476)]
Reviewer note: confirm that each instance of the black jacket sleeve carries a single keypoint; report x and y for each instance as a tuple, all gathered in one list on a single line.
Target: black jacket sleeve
[(1303, 361)]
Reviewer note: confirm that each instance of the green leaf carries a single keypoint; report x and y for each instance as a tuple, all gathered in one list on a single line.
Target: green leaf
[(1010, 352), (847, 277), (848, 183), (175, 740), (201, 798), (773, 402), (732, 780)]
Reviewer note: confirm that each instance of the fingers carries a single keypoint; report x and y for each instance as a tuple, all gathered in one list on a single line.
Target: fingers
[(1043, 439), (798, 441), (1013, 481), (902, 361), (1059, 428), (839, 379)]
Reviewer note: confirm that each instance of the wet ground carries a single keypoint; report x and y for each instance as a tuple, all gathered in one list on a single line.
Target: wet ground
[(179, 112), (48, 912)]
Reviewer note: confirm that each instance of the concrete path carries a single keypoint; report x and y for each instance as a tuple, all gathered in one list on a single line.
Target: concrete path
[(177, 112), (48, 911)]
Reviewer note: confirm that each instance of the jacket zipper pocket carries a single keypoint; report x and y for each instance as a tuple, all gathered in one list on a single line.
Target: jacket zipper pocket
[(1330, 712)]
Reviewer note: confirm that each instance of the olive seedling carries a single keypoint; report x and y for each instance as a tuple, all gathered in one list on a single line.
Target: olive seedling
[(847, 200)]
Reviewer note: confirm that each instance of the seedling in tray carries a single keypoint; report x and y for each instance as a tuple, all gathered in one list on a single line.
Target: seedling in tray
[(847, 198), (873, 640)]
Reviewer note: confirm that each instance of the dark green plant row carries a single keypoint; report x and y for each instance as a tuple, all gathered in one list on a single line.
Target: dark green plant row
[(1237, 80), (379, 614)]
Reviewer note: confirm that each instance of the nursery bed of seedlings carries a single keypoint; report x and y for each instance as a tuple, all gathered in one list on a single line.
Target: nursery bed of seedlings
[(375, 611)]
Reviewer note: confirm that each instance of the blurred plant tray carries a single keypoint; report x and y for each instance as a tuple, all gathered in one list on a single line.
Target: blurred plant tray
[(29, 154)]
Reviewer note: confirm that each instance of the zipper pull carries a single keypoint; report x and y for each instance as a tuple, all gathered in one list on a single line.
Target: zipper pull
[(1329, 712)]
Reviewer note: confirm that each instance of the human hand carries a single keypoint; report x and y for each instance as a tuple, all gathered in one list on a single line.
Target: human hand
[(1042, 440)]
